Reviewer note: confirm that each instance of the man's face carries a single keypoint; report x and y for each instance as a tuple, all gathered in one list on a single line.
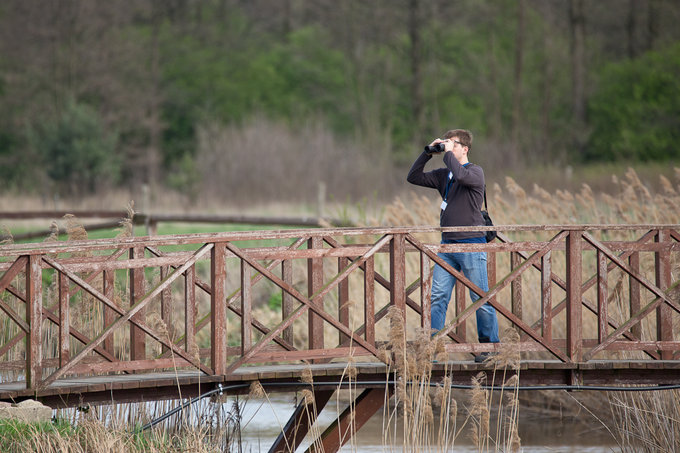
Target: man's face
[(458, 149)]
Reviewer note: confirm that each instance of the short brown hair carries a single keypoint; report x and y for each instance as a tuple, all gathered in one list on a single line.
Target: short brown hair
[(463, 135)]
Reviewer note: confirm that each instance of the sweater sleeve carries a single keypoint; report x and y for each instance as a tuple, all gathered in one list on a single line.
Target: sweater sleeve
[(417, 176), (470, 176)]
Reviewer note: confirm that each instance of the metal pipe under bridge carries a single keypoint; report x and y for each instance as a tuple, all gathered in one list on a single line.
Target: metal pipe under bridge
[(146, 318)]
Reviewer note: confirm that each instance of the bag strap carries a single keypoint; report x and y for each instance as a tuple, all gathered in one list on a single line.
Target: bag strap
[(448, 186), (485, 206)]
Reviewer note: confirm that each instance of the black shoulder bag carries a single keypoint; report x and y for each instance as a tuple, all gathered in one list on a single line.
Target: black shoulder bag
[(490, 235)]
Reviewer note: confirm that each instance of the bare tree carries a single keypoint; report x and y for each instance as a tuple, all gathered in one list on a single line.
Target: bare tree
[(578, 68), (414, 27), (517, 92)]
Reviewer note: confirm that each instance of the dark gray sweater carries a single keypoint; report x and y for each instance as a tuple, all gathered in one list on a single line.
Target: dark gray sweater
[(465, 197)]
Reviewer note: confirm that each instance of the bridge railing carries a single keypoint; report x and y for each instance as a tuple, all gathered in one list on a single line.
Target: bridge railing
[(222, 301)]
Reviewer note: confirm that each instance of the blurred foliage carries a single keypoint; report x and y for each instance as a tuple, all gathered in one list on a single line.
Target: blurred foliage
[(75, 150), (635, 112), (386, 75)]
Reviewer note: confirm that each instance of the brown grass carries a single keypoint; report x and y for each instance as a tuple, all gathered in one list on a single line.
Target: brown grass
[(432, 415), (647, 421)]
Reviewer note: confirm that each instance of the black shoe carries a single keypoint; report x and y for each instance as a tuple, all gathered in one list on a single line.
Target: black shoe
[(484, 356)]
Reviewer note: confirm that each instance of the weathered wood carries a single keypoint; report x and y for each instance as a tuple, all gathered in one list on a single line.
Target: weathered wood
[(664, 321), (189, 308), (34, 320), (634, 293), (516, 286), (126, 316), (343, 299), (369, 300), (396, 245), (109, 286), (300, 422), (574, 277), (602, 296), (286, 299), (64, 321), (166, 304), (398, 273), (491, 270), (314, 285), (425, 291), (137, 290), (546, 296), (460, 302), (218, 309), (345, 427), (246, 308), (307, 354)]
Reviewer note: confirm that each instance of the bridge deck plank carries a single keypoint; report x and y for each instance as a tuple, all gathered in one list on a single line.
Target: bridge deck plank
[(164, 384)]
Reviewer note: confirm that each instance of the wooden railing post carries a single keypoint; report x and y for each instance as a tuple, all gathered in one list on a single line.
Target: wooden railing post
[(664, 320), (602, 296), (109, 315), (398, 273), (425, 291), (516, 286), (166, 303), (574, 296), (218, 309), (343, 300), (314, 284), (459, 291), (34, 320), (137, 290), (546, 296), (634, 293), (64, 320), (189, 308), (491, 271), (369, 299), (246, 308), (287, 302)]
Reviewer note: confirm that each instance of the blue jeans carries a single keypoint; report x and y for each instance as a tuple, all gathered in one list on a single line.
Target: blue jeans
[(473, 266)]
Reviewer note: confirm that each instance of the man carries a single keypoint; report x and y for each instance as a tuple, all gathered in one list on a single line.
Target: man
[(461, 186)]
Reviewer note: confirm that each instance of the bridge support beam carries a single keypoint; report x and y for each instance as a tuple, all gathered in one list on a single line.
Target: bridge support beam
[(350, 421), (299, 423)]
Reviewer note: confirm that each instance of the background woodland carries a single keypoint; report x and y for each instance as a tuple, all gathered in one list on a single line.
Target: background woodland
[(259, 100)]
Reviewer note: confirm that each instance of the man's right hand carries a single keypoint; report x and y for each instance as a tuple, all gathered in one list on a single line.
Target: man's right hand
[(437, 141)]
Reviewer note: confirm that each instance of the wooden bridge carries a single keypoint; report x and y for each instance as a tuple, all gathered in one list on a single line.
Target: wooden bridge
[(146, 318)]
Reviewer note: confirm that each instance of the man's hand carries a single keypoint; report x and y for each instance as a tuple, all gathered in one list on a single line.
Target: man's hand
[(436, 141), (448, 144)]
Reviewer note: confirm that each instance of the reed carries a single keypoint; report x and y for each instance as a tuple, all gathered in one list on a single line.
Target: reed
[(428, 418), (647, 421)]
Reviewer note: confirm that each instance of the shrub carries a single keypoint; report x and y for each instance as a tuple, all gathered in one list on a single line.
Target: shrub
[(76, 151), (636, 109)]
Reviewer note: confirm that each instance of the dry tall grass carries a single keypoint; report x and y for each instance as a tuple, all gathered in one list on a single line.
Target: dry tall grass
[(430, 415), (647, 421), (425, 414)]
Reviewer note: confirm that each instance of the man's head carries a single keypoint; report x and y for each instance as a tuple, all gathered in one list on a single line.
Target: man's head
[(461, 142), (462, 135)]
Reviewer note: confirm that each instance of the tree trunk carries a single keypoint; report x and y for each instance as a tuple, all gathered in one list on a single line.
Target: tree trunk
[(630, 28), (546, 104), (414, 25), (154, 125), (652, 24), (517, 92), (578, 70)]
